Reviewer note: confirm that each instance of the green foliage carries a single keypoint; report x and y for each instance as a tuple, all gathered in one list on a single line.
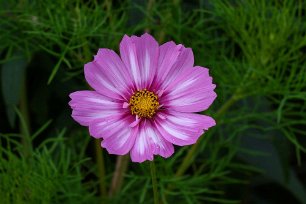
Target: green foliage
[(256, 54), (49, 174)]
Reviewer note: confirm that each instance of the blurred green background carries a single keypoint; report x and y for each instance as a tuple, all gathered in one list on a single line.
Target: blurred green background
[(255, 50)]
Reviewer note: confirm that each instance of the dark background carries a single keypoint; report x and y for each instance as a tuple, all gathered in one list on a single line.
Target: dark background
[(255, 51)]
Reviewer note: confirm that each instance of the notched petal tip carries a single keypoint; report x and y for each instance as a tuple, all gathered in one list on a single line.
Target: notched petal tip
[(88, 69), (125, 39), (71, 95), (210, 122), (146, 35), (149, 37), (140, 159)]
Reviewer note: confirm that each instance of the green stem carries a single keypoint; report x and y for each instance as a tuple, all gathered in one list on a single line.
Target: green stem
[(108, 4), (121, 167), (25, 120), (109, 13), (228, 104), (188, 160), (149, 14), (154, 182), (101, 168)]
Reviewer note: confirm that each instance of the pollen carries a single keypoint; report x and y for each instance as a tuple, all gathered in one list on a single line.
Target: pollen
[(144, 104)]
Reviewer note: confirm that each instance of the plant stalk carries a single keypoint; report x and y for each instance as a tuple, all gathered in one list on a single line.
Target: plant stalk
[(101, 168), (25, 124), (149, 14), (154, 182), (121, 166)]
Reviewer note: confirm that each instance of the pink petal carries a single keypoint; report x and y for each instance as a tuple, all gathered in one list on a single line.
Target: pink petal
[(119, 138), (140, 55), (106, 127), (102, 80), (193, 92), (90, 105), (149, 142), (114, 69), (183, 128), (174, 60)]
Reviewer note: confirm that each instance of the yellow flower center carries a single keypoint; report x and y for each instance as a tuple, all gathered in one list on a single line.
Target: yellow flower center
[(144, 104)]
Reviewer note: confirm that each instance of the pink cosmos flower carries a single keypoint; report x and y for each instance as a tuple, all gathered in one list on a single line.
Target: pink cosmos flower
[(145, 100)]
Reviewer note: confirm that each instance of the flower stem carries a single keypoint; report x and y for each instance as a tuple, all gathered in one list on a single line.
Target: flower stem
[(187, 161), (154, 182), (101, 168), (121, 166)]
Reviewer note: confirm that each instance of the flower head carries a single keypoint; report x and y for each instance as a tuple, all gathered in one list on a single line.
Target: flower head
[(144, 101)]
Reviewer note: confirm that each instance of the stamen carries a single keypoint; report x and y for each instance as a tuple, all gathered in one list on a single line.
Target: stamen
[(136, 122), (160, 93), (144, 104), (125, 105)]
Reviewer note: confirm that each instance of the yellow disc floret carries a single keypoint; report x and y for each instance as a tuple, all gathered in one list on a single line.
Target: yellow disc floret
[(144, 104)]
